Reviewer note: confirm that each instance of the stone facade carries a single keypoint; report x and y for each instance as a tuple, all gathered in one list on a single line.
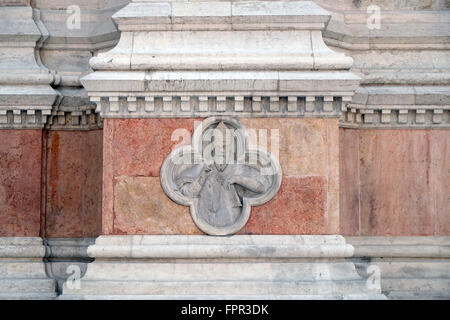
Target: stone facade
[(94, 95)]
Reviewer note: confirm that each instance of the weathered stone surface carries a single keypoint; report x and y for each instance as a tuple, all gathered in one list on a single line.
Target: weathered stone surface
[(393, 200), (195, 246), (20, 182), (74, 184), (237, 267), (298, 208), (403, 178), (26, 97), (439, 171), (302, 144), (140, 145), (142, 207), (401, 247), (108, 178), (308, 148), (225, 26), (136, 147), (408, 267), (333, 154), (349, 181), (256, 49), (129, 152), (67, 259), (403, 107), (22, 269), (392, 182), (14, 3)]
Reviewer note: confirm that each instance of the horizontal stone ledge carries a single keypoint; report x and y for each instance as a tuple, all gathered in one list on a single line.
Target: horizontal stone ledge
[(404, 95), (349, 42), (27, 95), (26, 79), (221, 252), (219, 61), (402, 251), (409, 77), (360, 296), (228, 62), (231, 240), (20, 241), (213, 82), (21, 247), (210, 25), (205, 247), (392, 37), (262, 270), (401, 247), (152, 16), (219, 287), (218, 75)]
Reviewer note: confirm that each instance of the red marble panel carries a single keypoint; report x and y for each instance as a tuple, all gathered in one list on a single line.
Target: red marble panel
[(108, 177), (298, 208), (141, 145), (137, 147), (303, 145), (142, 207), (402, 182), (134, 150), (349, 181), (74, 183), (440, 179), (333, 215), (20, 182)]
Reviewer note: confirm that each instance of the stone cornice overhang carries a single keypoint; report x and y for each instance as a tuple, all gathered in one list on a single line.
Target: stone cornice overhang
[(399, 90), (398, 107), (407, 33), (66, 51), (249, 58), (26, 97), (37, 94), (398, 30)]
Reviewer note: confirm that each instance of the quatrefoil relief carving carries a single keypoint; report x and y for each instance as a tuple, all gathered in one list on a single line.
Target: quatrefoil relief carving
[(219, 177)]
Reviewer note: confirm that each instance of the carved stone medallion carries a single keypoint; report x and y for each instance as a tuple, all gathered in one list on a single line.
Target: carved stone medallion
[(219, 177)]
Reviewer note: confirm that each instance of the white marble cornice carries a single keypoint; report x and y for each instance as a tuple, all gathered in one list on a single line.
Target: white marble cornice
[(401, 107), (211, 35), (26, 97), (229, 52)]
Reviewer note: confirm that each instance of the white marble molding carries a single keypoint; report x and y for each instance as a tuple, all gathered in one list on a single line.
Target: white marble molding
[(236, 267)]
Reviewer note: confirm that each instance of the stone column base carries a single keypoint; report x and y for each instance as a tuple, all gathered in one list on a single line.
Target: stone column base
[(237, 267), (22, 269), (409, 267)]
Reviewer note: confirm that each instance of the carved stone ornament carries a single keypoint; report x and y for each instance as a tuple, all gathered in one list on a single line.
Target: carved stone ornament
[(219, 177)]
